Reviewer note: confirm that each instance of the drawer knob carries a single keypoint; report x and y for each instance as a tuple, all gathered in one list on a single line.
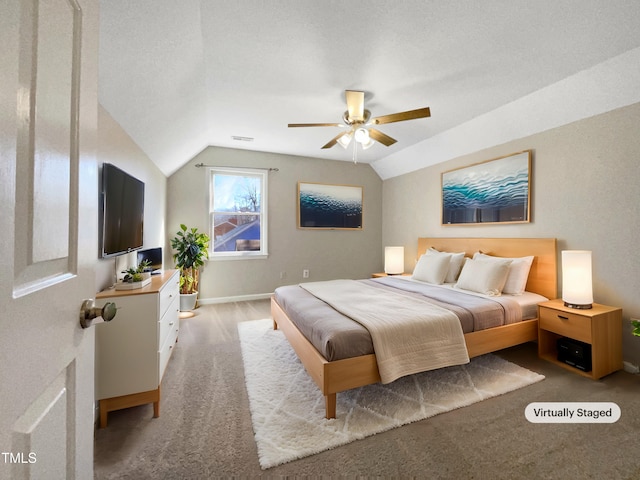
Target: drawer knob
[(562, 317)]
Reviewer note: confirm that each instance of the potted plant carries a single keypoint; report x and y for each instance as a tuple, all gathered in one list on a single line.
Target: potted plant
[(137, 274), (191, 251)]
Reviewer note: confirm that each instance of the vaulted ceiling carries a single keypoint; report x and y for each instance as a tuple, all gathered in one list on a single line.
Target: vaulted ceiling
[(179, 76)]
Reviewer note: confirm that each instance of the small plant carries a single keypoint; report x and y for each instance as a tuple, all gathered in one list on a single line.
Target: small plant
[(191, 251), (134, 274), (144, 265)]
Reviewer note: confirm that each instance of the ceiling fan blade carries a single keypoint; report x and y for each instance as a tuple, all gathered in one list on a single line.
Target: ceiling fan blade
[(378, 136), (355, 105), (333, 141), (291, 125), (402, 116)]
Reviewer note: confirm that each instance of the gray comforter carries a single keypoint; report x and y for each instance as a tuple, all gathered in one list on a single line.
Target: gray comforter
[(337, 336)]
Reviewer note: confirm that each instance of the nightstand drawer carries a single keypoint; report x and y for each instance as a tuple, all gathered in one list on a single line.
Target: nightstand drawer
[(570, 325)]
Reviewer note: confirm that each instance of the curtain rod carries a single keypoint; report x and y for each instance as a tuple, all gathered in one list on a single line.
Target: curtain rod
[(199, 165)]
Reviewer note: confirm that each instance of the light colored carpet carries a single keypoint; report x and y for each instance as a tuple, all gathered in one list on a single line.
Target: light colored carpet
[(287, 408)]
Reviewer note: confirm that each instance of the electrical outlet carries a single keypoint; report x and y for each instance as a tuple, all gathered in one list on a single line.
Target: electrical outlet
[(305, 273), (283, 275)]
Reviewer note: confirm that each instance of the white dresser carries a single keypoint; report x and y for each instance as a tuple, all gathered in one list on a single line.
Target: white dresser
[(133, 349)]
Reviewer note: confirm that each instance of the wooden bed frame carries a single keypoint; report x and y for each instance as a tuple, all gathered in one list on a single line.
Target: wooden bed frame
[(341, 375)]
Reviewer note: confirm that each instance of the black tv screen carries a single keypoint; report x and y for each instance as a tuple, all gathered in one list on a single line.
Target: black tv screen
[(153, 256), (122, 211)]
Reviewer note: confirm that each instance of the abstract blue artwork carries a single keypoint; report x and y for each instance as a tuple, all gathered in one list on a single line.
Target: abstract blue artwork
[(322, 206), (495, 191)]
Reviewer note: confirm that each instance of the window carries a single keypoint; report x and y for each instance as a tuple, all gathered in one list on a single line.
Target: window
[(237, 213)]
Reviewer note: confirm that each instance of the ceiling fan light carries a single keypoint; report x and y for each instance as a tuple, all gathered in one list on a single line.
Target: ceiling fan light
[(368, 144), (345, 140), (362, 135)]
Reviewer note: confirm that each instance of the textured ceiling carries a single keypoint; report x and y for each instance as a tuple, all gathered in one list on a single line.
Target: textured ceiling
[(178, 76)]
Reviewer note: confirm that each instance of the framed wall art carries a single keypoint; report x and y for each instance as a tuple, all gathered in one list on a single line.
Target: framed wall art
[(495, 191), (322, 206)]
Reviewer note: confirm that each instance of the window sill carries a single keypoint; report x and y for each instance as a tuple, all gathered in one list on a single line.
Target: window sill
[(246, 256)]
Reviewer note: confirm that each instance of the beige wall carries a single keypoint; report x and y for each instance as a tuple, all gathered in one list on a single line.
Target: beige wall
[(117, 148), (585, 181), (327, 254)]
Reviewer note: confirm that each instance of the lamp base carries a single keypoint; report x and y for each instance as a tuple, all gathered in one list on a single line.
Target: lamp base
[(578, 306)]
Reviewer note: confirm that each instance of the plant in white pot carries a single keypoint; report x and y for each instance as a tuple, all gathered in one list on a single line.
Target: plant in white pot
[(191, 251)]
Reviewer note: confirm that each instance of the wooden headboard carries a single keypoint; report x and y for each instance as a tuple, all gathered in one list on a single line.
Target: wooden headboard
[(543, 274)]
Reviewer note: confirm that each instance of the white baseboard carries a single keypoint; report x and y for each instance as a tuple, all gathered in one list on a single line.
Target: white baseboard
[(238, 298)]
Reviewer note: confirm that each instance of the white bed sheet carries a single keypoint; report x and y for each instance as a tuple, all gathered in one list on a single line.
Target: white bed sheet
[(528, 301)]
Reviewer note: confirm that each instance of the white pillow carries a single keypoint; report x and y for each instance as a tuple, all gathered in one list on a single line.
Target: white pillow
[(432, 268), (518, 272), (486, 277), (455, 265)]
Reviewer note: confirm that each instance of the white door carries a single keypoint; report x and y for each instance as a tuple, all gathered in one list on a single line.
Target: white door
[(48, 236)]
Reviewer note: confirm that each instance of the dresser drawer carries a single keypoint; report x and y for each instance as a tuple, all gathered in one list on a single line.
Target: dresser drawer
[(169, 292), (169, 320), (567, 324), (165, 352)]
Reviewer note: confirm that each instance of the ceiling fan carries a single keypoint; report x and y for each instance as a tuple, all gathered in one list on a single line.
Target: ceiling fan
[(358, 120)]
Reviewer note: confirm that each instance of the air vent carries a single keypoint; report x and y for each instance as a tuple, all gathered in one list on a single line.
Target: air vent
[(241, 139)]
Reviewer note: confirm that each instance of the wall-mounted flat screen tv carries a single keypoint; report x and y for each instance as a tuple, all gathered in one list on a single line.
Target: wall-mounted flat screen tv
[(122, 211)]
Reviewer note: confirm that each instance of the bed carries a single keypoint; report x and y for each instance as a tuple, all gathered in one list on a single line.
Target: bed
[(356, 370)]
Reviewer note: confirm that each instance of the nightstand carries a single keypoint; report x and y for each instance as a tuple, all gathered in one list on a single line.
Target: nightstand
[(600, 327)]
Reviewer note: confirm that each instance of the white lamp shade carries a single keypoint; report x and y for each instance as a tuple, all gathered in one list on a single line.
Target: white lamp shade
[(362, 135), (577, 286), (393, 260), (345, 139), (368, 144)]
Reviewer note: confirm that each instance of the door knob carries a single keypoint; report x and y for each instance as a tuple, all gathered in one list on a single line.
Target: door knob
[(89, 311)]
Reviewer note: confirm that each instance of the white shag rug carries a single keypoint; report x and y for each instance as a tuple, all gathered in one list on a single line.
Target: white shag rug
[(287, 408)]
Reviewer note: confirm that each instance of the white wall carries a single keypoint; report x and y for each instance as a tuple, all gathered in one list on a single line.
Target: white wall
[(585, 180), (117, 148), (327, 254)]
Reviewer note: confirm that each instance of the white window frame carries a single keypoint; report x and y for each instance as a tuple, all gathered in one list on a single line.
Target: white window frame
[(247, 172)]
